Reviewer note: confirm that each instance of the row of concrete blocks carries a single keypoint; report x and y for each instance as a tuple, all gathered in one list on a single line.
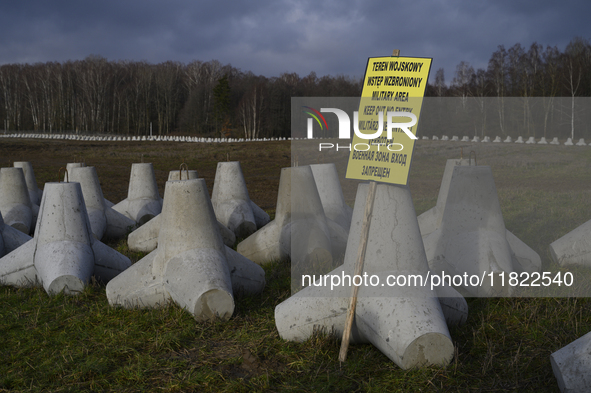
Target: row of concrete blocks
[(238, 214), (20, 196), (452, 240), (302, 230), (119, 138), (531, 140), (191, 265), (158, 288)]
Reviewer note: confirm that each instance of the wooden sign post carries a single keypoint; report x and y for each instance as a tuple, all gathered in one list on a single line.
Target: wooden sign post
[(358, 268), (393, 86)]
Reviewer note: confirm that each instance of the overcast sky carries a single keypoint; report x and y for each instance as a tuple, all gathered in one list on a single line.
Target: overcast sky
[(270, 37)]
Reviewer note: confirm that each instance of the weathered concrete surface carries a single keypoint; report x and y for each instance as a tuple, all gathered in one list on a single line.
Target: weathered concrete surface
[(15, 203), (574, 248), (70, 166), (299, 230), (104, 221), (231, 202), (34, 192), (406, 323), (465, 231), (145, 238), (190, 265), (331, 194), (10, 238), (572, 365), (431, 219), (143, 201), (63, 254)]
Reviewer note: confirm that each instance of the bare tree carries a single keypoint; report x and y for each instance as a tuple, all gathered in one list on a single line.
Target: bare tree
[(497, 70), (576, 60), (251, 109)]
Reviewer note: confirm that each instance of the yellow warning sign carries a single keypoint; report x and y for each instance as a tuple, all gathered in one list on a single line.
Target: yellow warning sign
[(386, 124)]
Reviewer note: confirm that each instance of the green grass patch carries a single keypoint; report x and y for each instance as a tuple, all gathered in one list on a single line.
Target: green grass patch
[(80, 343)]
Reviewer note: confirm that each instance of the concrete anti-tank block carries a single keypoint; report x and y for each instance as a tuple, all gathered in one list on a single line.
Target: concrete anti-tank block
[(431, 219), (104, 221), (299, 230), (524, 258), (143, 201), (331, 194), (70, 166), (63, 254), (472, 199), (34, 192), (190, 264), (15, 203), (406, 323), (231, 202), (572, 365)]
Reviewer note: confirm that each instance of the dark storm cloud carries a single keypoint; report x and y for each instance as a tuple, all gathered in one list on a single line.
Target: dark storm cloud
[(272, 37)]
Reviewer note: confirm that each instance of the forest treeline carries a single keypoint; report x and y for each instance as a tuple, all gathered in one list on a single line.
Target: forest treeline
[(95, 95)]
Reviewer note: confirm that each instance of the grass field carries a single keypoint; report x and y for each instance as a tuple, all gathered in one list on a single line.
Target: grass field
[(80, 343)]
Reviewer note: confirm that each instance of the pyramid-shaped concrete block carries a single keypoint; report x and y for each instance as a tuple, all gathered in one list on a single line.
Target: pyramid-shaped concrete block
[(63, 254), (34, 192), (228, 236), (299, 230), (104, 221), (431, 219), (572, 365), (145, 238), (15, 203), (190, 266), (143, 201), (230, 199), (70, 166), (331, 194), (465, 232), (508, 139), (406, 323)]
